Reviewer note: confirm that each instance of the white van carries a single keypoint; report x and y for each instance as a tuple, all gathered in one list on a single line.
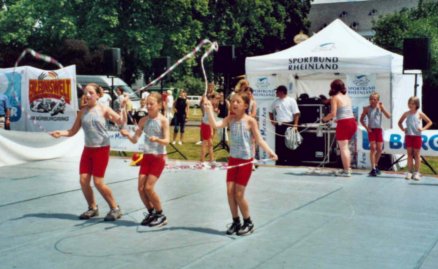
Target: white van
[(194, 100), (109, 83)]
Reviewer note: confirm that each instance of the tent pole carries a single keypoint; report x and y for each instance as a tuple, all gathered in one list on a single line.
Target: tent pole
[(391, 98), (415, 85)]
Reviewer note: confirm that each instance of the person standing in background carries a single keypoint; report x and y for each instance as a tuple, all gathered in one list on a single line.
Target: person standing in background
[(285, 113), (374, 113), (346, 125), (5, 112), (414, 127), (181, 109)]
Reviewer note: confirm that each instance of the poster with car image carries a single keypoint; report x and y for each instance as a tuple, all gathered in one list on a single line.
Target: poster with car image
[(41, 100)]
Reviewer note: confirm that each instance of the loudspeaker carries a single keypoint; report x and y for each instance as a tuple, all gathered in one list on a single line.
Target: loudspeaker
[(160, 65), (112, 62), (416, 53), (239, 66), (312, 113), (315, 147), (223, 59)]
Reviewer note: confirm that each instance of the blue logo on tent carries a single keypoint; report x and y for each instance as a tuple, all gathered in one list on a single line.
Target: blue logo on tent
[(325, 46)]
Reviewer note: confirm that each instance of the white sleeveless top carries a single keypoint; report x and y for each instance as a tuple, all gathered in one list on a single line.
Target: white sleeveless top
[(413, 122), (94, 126), (241, 145), (152, 127)]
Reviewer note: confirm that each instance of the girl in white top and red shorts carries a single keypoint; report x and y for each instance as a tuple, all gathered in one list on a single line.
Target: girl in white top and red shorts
[(414, 126), (155, 127), (244, 132), (346, 127)]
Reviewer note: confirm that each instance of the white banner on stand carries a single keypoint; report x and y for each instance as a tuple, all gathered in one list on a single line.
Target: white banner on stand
[(121, 143), (264, 94), (394, 142), (359, 88), (41, 100)]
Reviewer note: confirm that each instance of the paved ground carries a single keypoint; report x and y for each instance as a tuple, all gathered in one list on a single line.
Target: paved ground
[(302, 221)]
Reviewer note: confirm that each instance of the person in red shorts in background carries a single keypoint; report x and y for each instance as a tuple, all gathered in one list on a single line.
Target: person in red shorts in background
[(346, 127), (206, 130), (373, 113), (414, 126)]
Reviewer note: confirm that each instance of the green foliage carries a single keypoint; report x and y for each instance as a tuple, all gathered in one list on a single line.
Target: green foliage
[(422, 21), (77, 31), (193, 86)]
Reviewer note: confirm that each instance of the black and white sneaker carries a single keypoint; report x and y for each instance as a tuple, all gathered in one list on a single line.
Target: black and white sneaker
[(234, 228), (247, 228), (149, 217), (158, 220), (378, 172)]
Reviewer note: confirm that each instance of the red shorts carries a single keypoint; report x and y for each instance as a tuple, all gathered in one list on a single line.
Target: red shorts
[(94, 161), (205, 131), (413, 141), (376, 135), (152, 164), (345, 129), (240, 174)]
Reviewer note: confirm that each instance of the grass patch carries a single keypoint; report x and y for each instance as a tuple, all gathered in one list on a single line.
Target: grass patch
[(433, 161)]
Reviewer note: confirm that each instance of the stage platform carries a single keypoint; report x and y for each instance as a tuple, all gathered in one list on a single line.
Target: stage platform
[(302, 220)]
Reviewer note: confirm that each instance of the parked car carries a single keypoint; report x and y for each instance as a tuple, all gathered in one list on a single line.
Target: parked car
[(194, 100), (110, 84)]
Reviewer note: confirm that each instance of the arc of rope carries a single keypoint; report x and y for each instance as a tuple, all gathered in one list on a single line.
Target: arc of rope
[(213, 47), (200, 166), (37, 56)]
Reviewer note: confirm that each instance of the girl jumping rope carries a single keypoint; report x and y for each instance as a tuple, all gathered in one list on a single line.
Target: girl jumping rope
[(95, 156), (412, 131), (243, 128), (155, 126)]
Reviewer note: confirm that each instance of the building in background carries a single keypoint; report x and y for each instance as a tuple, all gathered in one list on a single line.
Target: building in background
[(358, 14)]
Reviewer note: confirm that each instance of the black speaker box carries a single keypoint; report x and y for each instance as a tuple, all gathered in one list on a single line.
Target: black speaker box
[(224, 59), (314, 148), (312, 113), (160, 65), (112, 62), (416, 53)]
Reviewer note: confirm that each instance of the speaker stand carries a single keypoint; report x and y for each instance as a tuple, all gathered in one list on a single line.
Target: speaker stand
[(422, 158), (223, 143), (176, 150)]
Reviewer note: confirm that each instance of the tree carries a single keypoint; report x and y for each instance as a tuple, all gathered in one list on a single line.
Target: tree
[(146, 29), (421, 21)]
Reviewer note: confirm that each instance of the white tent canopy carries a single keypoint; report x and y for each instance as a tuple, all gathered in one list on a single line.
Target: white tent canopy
[(335, 52)]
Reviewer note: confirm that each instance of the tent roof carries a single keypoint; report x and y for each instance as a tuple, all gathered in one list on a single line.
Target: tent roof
[(336, 43)]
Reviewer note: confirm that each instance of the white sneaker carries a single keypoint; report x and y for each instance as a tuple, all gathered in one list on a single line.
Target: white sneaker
[(213, 163), (343, 173), (408, 176), (205, 165), (198, 143), (179, 143), (416, 176), (173, 142)]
